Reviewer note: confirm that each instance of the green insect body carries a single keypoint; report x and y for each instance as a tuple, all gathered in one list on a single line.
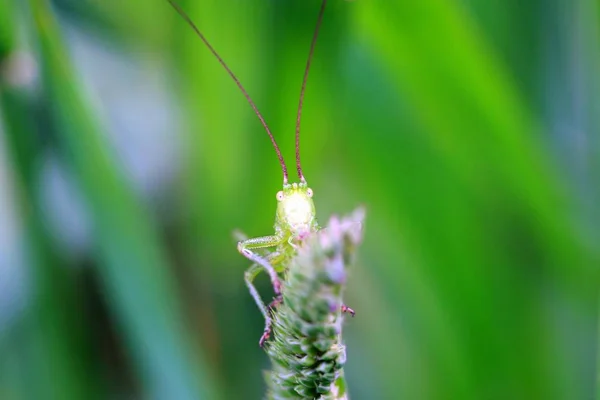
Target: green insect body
[(294, 220), (295, 217)]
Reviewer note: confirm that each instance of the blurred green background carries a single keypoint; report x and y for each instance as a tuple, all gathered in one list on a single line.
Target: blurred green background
[(468, 128)]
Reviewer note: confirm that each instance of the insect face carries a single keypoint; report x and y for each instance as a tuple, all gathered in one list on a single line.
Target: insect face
[(296, 209)]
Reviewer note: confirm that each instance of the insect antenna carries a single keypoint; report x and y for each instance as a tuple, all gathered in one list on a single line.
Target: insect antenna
[(300, 103), (189, 21)]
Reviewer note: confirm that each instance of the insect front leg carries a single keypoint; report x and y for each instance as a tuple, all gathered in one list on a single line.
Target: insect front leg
[(245, 247), (249, 276), (265, 310)]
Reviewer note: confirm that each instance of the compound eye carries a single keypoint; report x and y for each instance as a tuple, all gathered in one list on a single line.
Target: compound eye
[(279, 195), (309, 192)]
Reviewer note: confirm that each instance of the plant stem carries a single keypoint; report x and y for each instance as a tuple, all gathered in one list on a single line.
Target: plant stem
[(306, 351)]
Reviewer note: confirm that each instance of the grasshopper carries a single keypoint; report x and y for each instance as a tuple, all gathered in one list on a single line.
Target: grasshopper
[(295, 216)]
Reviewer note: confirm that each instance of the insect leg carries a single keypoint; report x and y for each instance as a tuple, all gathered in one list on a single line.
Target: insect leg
[(275, 258), (245, 247), (346, 309), (249, 278)]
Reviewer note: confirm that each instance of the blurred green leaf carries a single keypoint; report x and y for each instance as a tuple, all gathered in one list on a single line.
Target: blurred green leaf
[(133, 266), (467, 128)]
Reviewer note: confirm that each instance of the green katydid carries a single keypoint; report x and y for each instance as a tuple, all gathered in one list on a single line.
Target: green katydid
[(295, 217)]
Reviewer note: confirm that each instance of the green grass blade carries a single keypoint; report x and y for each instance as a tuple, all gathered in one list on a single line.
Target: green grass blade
[(133, 266)]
